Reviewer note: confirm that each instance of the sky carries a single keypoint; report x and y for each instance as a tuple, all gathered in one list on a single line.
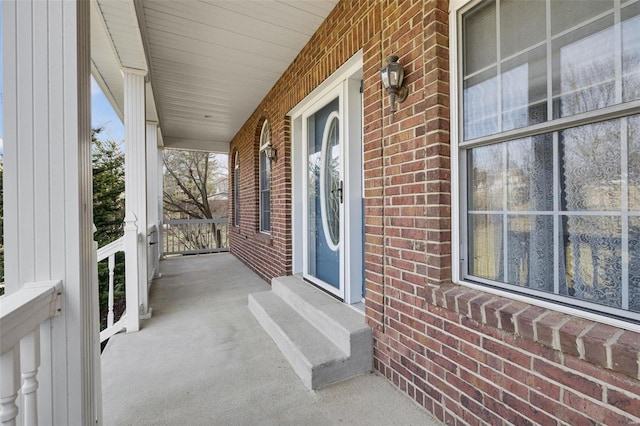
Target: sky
[(102, 115)]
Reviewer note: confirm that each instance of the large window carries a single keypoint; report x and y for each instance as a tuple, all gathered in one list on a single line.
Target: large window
[(236, 189), (549, 149), (265, 180)]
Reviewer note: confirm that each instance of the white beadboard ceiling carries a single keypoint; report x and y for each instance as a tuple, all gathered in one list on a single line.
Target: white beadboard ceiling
[(210, 62)]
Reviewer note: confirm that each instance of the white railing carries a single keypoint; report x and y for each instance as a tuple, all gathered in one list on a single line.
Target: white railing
[(195, 236), (21, 314), (109, 252)]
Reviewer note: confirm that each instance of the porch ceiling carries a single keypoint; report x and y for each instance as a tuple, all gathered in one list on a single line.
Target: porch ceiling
[(211, 62)]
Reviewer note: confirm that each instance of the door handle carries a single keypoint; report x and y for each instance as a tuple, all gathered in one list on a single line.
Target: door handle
[(340, 191)]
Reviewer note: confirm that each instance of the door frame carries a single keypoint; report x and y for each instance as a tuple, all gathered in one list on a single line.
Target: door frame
[(345, 83)]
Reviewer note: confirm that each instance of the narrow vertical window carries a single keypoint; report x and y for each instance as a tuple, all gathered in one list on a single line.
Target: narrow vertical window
[(236, 190), (265, 180)]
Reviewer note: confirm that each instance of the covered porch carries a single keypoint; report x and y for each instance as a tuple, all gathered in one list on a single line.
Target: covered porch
[(204, 359)]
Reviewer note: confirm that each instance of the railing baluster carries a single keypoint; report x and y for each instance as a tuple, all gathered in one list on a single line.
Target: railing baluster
[(30, 363), (196, 236), (9, 385), (112, 265)]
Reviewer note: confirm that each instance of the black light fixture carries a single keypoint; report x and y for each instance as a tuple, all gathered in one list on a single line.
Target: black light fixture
[(270, 152), (392, 76)]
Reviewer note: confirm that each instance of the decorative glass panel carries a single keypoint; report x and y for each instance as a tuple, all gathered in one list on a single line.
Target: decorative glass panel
[(530, 173), (593, 259), (332, 181), (485, 246), (591, 167), (631, 52), (486, 180), (530, 251)]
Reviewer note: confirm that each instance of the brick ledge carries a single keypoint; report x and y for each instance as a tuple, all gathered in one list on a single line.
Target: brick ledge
[(600, 344)]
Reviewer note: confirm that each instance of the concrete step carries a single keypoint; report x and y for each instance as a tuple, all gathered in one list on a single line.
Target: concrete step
[(342, 325), (324, 340)]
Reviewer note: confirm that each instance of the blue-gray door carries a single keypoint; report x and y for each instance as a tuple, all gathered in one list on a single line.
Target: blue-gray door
[(324, 195)]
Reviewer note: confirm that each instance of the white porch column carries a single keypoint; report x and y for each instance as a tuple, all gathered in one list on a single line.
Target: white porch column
[(160, 199), (152, 192), (47, 191), (135, 186)]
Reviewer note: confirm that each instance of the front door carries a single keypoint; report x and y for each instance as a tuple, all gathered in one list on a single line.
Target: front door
[(325, 197), (327, 176)]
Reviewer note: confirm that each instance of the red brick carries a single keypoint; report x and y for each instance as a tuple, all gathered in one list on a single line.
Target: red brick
[(627, 403), (492, 309), (561, 411), (594, 343), (607, 376), (569, 334), (625, 354), (476, 305), (507, 314), (568, 379), (524, 320), (506, 352), (527, 410), (596, 410), (547, 326)]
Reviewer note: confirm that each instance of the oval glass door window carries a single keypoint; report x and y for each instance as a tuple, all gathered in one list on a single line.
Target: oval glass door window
[(330, 188)]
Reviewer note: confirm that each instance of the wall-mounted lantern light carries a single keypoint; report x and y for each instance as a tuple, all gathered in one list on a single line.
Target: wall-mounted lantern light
[(270, 152), (392, 76)]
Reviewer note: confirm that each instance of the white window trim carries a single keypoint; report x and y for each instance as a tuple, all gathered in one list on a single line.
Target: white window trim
[(458, 172), (263, 144)]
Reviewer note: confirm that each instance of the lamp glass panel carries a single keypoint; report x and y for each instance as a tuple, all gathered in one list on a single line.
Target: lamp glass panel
[(384, 74)]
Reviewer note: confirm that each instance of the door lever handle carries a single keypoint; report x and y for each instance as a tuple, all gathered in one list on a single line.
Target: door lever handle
[(340, 191)]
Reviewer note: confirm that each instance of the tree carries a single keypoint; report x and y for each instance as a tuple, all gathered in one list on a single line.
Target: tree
[(108, 213), (195, 186), (108, 190)]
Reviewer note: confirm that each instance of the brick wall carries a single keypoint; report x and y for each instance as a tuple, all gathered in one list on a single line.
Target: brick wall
[(466, 356)]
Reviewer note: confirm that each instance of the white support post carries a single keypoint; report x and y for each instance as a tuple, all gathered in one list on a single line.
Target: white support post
[(160, 199), (135, 178), (48, 190), (131, 272), (152, 191)]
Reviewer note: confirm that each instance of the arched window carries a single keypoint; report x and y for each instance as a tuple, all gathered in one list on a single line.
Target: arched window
[(265, 180), (236, 190)]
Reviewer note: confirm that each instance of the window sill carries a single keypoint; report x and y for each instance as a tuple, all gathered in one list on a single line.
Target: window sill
[(604, 345), (263, 238)]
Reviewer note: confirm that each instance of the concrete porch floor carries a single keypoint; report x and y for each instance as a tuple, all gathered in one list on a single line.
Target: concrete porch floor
[(203, 359)]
